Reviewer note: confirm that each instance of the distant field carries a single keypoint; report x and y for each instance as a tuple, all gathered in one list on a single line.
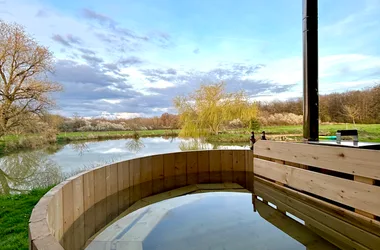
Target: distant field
[(326, 129)]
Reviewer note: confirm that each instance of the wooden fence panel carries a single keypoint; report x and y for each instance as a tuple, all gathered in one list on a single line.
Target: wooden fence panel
[(321, 229), (363, 237), (360, 162), (358, 195)]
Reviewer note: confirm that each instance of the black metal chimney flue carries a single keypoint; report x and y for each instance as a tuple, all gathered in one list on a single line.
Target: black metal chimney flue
[(310, 71)]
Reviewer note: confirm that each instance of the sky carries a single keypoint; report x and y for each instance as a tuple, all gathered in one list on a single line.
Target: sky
[(122, 59)]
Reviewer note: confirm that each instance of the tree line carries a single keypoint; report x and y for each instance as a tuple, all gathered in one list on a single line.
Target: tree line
[(359, 106)]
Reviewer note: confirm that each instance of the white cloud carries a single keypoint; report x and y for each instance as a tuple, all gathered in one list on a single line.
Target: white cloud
[(282, 71)]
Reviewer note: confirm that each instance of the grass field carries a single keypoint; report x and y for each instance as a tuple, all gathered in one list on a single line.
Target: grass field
[(15, 211), (76, 136), (367, 132)]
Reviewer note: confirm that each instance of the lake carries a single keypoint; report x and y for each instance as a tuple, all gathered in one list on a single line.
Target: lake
[(30, 169)]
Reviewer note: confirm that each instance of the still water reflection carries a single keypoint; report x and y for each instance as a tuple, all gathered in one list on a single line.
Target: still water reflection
[(208, 221), (27, 170)]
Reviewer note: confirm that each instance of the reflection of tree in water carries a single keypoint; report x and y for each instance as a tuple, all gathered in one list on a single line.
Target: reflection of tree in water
[(195, 144), (135, 145), (80, 147), (53, 148), (27, 170), (171, 138)]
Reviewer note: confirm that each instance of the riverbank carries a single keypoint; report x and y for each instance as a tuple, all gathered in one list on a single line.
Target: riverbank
[(15, 211), (11, 144)]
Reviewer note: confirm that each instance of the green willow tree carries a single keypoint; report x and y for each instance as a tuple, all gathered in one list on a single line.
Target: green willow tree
[(205, 111)]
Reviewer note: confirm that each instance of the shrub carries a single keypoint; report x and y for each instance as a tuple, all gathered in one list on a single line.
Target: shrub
[(254, 125), (281, 119)]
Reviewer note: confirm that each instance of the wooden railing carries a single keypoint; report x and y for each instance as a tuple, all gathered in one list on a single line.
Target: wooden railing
[(333, 190), (69, 214), (323, 186)]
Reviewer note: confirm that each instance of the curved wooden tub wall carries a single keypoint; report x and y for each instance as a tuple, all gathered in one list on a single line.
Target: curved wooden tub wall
[(334, 190), (69, 214)]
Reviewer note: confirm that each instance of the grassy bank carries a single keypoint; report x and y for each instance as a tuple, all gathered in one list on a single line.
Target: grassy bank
[(367, 132), (15, 211), (14, 143), (78, 136), (9, 144)]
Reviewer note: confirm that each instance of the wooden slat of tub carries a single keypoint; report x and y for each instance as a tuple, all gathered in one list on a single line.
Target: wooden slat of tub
[(169, 172), (238, 166), (100, 193), (358, 195), (360, 162), (226, 158), (135, 167), (203, 167), (146, 177), (180, 169), (68, 215), (57, 214), (191, 168), (158, 173), (112, 196), (78, 193), (89, 202), (215, 166), (363, 237), (249, 170), (123, 185)]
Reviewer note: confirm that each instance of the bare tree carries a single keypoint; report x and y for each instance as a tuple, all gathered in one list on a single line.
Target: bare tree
[(24, 86), (352, 112)]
